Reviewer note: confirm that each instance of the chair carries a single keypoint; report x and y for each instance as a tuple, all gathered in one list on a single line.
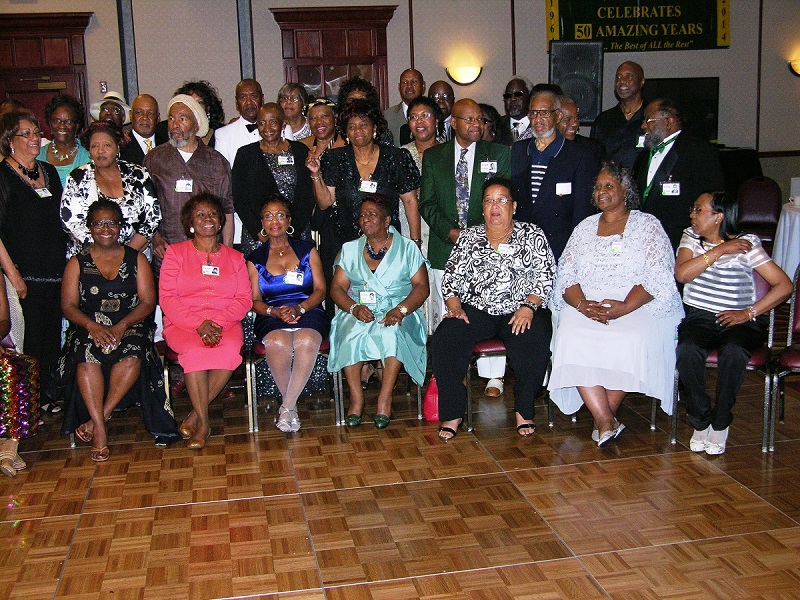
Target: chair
[(340, 416), (787, 362), (760, 204), (483, 349), (760, 362), (168, 358)]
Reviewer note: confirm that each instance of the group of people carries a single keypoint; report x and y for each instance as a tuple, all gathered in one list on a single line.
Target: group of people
[(435, 217)]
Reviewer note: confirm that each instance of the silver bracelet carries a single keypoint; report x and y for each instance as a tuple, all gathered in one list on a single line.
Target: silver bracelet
[(352, 308)]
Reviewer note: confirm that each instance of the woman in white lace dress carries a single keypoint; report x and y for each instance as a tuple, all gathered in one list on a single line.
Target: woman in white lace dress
[(619, 307)]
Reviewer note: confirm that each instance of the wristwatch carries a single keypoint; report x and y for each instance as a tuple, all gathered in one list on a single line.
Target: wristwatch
[(301, 309), (402, 309), (529, 304)]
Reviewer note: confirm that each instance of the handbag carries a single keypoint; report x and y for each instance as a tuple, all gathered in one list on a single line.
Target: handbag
[(430, 405)]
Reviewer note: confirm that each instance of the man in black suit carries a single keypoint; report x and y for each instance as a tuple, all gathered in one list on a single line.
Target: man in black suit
[(144, 117), (570, 124), (675, 169), (552, 176), (516, 98)]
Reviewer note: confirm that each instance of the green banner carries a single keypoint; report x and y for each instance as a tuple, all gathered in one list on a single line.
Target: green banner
[(641, 25)]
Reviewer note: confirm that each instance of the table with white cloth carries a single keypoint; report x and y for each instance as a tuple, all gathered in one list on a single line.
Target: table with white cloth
[(786, 250)]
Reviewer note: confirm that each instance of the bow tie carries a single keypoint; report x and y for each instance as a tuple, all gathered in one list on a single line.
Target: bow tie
[(659, 148), (251, 127)]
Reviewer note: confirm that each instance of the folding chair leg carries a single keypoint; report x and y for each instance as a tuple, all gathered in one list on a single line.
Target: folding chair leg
[(767, 412), (673, 436), (550, 420), (469, 398), (250, 384), (653, 413), (419, 402)]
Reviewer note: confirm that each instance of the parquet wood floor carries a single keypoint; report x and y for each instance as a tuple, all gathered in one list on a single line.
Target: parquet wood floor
[(333, 513)]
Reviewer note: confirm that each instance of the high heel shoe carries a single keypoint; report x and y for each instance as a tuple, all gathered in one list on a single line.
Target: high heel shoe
[(198, 443), (353, 420), (289, 424), (186, 431), (382, 421)]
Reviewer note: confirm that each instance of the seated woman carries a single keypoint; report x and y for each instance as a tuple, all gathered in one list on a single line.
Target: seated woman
[(717, 264), (108, 297), (288, 288), (619, 307), (496, 281), (389, 280), (204, 292)]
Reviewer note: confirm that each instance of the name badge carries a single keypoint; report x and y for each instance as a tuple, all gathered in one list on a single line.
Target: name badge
[(564, 189), (370, 187), (210, 270), (488, 166), (43, 193), (183, 185), (368, 298), (285, 159), (640, 143), (670, 188), (617, 246), (505, 249), (293, 278)]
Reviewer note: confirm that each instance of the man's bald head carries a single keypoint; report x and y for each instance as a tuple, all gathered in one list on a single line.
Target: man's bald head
[(144, 115)]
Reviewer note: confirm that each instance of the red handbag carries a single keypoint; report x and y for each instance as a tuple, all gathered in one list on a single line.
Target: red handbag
[(430, 405)]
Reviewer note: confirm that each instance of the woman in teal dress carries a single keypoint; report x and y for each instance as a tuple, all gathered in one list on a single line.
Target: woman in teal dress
[(65, 116), (381, 321)]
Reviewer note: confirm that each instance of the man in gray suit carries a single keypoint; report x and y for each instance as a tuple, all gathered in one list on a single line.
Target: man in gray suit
[(411, 86)]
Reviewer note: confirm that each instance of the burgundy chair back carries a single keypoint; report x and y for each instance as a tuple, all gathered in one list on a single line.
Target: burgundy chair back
[(760, 203), (795, 307)]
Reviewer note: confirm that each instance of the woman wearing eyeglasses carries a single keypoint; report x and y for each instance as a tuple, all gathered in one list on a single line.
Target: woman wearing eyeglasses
[(33, 248), (495, 285), (65, 116), (107, 177), (108, 360), (273, 165), (293, 98), (288, 288)]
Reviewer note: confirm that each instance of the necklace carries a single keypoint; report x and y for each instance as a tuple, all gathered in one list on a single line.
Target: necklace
[(369, 160), (502, 236), (32, 174), (63, 157), (214, 250), (280, 252), (379, 254)]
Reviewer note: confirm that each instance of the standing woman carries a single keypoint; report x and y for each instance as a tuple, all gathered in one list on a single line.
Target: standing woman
[(66, 118), (717, 264), (204, 291), (322, 121), (272, 166), (33, 249), (107, 177), (293, 98)]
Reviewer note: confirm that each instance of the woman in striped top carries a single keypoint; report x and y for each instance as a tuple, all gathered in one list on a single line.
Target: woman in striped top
[(716, 264)]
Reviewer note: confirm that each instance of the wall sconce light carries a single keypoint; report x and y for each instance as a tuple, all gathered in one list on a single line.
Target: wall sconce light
[(463, 75), (794, 67)]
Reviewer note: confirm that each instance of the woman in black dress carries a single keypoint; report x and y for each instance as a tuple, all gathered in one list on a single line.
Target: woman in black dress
[(34, 246)]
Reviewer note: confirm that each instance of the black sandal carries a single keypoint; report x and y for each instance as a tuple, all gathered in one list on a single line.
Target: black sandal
[(453, 432), (522, 426)]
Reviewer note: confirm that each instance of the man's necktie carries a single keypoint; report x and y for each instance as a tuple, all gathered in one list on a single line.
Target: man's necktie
[(251, 127), (148, 145), (462, 190)]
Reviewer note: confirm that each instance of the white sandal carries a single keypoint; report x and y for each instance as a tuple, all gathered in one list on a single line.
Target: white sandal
[(494, 388), (289, 424)]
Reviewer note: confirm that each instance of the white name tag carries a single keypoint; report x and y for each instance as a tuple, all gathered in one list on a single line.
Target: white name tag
[(505, 248), (211, 270), (285, 159), (43, 193), (670, 188), (368, 298), (640, 143), (488, 166), (293, 278), (183, 185), (617, 246), (370, 187), (564, 189)]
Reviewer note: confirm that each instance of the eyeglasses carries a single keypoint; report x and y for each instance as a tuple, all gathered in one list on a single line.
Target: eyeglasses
[(696, 210), (470, 120), (272, 216), (29, 134), (65, 122), (103, 224), (653, 120), (292, 99), (509, 95), (415, 117), (441, 96), (541, 113), (502, 200)]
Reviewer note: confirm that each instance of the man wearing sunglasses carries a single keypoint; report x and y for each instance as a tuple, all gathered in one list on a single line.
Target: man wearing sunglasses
[(515, 101)]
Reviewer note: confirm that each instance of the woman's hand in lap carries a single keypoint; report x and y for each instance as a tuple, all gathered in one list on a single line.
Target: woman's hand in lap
[(727, 318), (521, 320)]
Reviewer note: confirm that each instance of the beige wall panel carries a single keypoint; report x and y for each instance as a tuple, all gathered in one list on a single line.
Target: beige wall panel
[(102, 39), (181, 40)]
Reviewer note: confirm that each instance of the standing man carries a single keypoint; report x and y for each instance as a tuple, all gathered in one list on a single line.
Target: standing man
[(112, 109), (184, 168), (552, 176), (675, 169), (515, 101), (411, 86), (570, 124), (450, 200), (442, 92), (144, 118), (619, 128)]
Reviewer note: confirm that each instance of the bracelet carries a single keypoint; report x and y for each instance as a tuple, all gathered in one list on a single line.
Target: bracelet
[(705, 258), (528, 304), (752, 311), (269, 310), (578, 307), (352, 308), (416, 240), (301, 309), (317, 178)]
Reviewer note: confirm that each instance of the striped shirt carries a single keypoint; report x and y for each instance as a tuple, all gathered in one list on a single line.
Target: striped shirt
[(728, 283), (540, 160)]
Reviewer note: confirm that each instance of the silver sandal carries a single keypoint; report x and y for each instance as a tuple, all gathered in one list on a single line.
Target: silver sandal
[(290, 423)]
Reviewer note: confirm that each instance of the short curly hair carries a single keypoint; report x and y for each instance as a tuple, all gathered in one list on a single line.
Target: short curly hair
[(57, 102), (362, 85), (382, 202), (194, 202), (276, 198), (432, 106), (210, 96), (104, 204), (366, 109), (625, 179), (10, 127), (110, 129)]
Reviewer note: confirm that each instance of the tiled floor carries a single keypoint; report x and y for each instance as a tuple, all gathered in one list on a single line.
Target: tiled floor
[(395, 514)]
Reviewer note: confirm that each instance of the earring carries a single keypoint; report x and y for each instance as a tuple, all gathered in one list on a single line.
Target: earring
[(290, 230), (263, 233), (374, 135), (347, 139), (191, 229)]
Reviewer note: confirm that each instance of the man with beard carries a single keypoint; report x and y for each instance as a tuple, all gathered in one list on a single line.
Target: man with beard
[(144, 118), (675, 168), (184, 168), (516, 98), (618, 128), (552, 176), (570, 124), (411, 86)]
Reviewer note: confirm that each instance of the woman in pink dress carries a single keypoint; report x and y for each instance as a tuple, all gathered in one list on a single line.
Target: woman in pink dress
[(204, 292)]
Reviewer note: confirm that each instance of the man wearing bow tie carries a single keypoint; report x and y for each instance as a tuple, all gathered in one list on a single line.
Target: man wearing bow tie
[(674, 169), (515, 100)]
